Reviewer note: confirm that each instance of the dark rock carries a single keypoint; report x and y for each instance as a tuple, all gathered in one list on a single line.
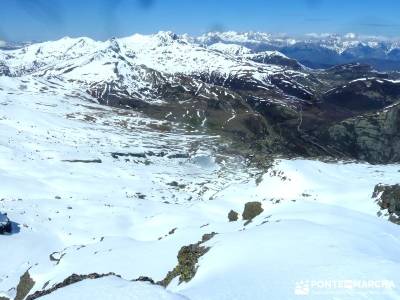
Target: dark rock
[(140, 196), (373, 137), (74, 278), (178, 155), (252, 210), (85, 161), (188, 257), (176, 184), (4, 69), (145, 279), (233, 216), (24, 286), (172, 231), (5, 224), (388, 197), (130, 154)]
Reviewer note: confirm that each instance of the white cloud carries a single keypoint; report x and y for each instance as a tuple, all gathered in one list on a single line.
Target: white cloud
[(2, 43)]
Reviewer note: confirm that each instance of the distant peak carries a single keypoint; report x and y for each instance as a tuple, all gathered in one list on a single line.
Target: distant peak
[(167, 35)]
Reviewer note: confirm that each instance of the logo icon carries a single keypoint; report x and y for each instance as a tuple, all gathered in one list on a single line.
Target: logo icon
[(302, 288)]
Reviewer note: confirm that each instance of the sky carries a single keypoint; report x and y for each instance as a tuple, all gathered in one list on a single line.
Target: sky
[(37, 20)]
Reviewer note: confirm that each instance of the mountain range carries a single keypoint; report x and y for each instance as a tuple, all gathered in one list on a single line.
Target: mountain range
[(318, 50), (265, 99)]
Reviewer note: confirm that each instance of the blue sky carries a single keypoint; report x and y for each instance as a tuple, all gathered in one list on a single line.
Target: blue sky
[(101, 19)]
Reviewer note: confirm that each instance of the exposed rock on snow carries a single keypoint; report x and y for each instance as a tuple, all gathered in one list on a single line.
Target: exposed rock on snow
[(373, 137), (188, 257), (5, 224), (25, 284), (86, 161), (388, 197), (252, 210), (233, 216), (74, 278), (111, 287)]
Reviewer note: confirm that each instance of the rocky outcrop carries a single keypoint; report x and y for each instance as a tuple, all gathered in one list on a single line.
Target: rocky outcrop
[(5, 224), (372, 137), (233, 216), (4, 69), (388, 198), (74, 278), (252, 210), (25, 284), (188, 257)]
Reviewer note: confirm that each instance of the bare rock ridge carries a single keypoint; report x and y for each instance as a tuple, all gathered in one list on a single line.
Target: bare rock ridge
[(25, 284), (74, 278)]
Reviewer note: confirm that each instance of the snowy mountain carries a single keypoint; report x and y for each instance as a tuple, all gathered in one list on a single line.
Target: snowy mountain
[(232, 49), (265, 57), (137, 66), (157, 167), (263, 98), (317, 51), (164, 52)]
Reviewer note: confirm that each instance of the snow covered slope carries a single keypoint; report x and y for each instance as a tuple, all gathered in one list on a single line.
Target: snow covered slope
[(164, 52), (138, 65), (231, 49), (111, 287), (98, 189)]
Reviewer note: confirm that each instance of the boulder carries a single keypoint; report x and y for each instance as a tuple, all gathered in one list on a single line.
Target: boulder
[(233, 216), (5, 224), (252, 210)]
